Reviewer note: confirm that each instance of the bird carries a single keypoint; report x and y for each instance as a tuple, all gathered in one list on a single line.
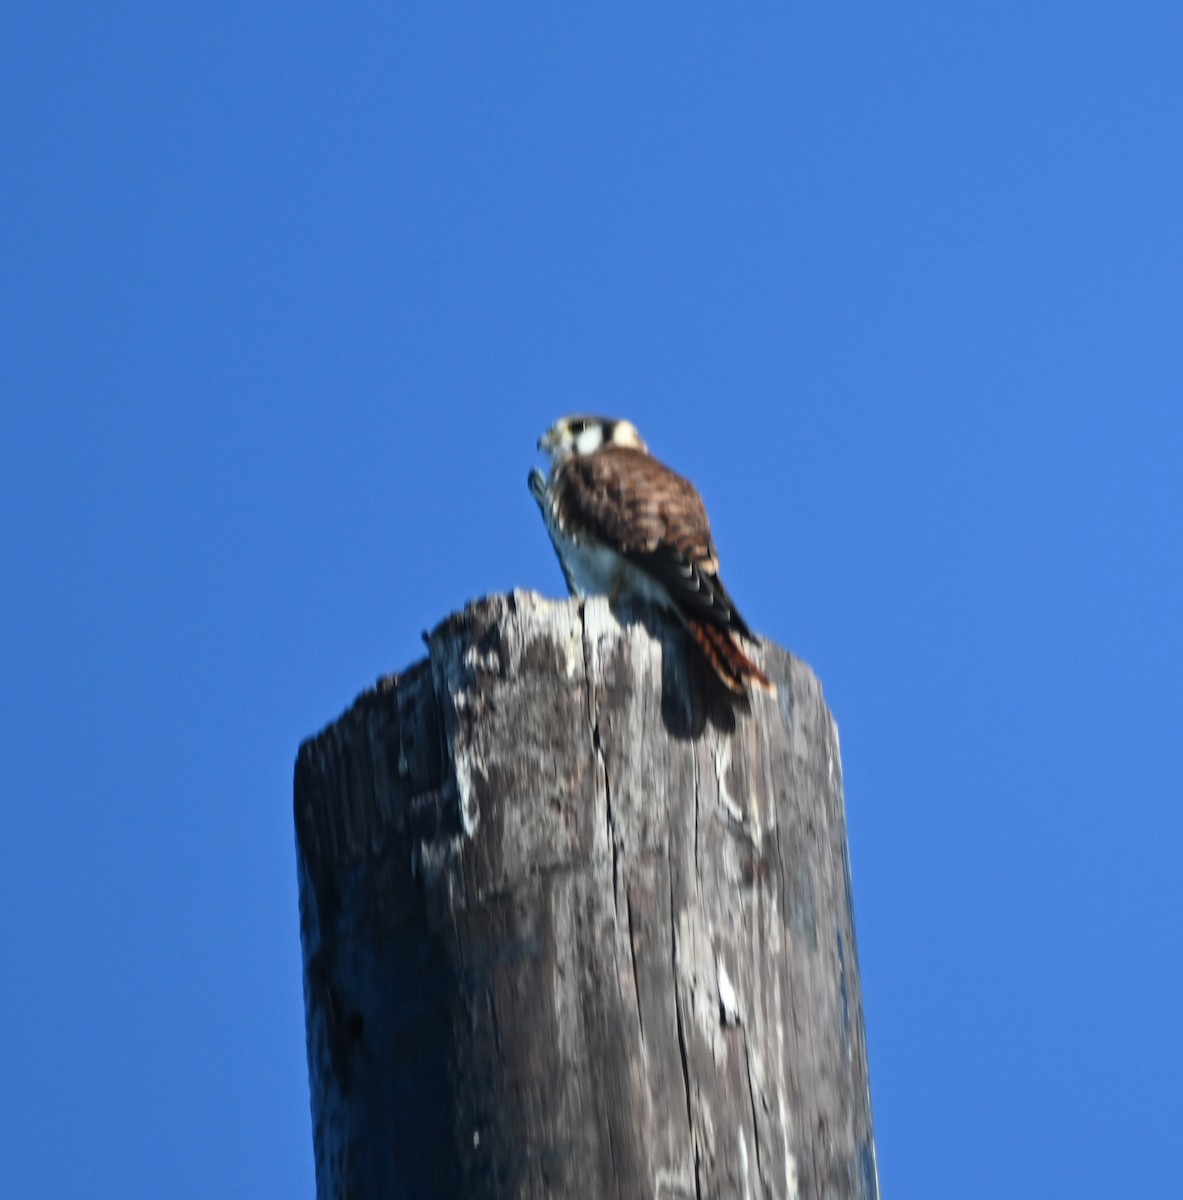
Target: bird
[(626, 526)]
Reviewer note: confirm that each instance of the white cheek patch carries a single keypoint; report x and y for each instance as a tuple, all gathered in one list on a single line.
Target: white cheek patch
[(587, 441)]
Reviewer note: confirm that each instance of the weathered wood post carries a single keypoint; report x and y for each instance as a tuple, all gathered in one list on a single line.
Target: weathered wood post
[(567, 934)]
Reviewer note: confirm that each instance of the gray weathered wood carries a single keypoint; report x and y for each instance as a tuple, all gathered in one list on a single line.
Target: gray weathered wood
[(573, 928)]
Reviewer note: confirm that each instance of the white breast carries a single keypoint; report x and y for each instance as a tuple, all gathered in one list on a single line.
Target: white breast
[(592, 570), (597, 570)]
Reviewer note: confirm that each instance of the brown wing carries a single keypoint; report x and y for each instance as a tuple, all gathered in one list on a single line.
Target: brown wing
[(655, 518)]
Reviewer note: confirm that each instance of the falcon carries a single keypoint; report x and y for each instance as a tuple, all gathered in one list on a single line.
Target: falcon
[(626, 526)]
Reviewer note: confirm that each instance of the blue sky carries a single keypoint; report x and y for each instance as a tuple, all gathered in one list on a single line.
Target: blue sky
[(287, 293)]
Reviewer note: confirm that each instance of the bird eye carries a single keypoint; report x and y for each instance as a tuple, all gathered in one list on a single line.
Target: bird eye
[(577, 427)]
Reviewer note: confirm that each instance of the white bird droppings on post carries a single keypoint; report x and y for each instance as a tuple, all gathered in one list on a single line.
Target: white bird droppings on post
[(743, 1165), (722, 762), (728, 1001), (790, 1177), (470, 812)]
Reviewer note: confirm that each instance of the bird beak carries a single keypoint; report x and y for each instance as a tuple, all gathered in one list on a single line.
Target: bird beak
[(547, 440)]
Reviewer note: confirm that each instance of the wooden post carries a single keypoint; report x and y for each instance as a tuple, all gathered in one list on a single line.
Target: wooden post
[(569, 931)]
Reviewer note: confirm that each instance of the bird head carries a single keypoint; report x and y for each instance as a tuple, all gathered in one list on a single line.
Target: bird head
[(584, 435)]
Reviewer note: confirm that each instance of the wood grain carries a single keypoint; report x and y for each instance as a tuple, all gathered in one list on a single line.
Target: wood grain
[(573, 927)]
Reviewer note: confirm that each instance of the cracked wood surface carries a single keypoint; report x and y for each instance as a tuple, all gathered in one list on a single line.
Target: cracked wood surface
[(574, 928)]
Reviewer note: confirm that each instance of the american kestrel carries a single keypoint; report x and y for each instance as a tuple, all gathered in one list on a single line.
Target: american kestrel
[(625, 525)]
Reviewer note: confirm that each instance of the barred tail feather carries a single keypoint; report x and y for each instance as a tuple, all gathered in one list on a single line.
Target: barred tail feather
[(727, 660)]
